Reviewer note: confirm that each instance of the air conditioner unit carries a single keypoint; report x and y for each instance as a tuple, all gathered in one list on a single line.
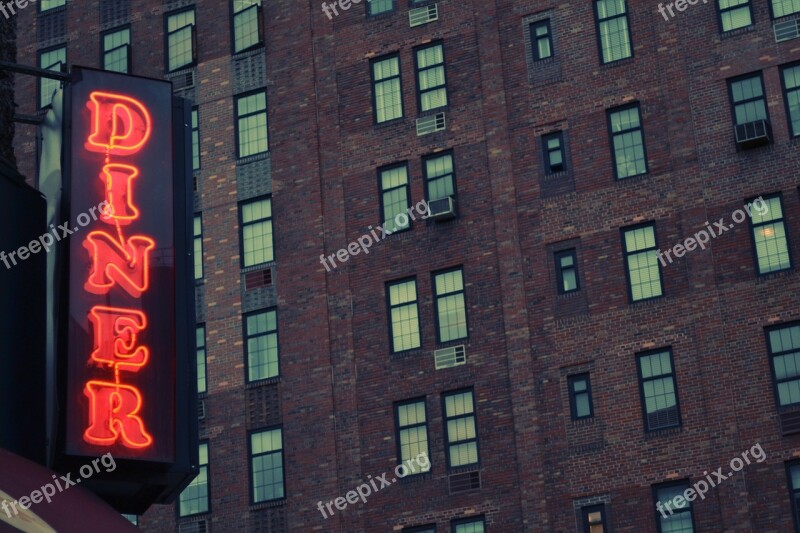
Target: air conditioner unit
[(786, 30), (182, 81), (752, 134), (430, 124), (442, 209), (423, 15), (450, 357)]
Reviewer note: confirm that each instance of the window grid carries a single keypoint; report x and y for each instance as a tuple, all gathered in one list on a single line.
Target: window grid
[(116, 50), (246, 24), (412, 429), (790, 78), (198, 247), (553, 149), (403, 315), (387, 93), (783, 343), (658, 389), (594, 519), (461, 429), (46, 5), (641, 261), (261, 340), (471, 525), (195, 139), (793, 473), (451, 308), (681, 519), (749, 101), (781, 8), (541, 40), (567, 271), (50, 60), (613, 31), (580, 396), (200, 343), (395, 192), (266, 465), (627, 139), (251, 124), (770, 241), (257, 236), (194, 498), (440, 176), (376, 7), (431, 78), (734, 14), (180, 40)]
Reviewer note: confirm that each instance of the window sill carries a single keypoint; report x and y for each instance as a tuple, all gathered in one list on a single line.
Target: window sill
[(407, 353), (254, 50), (666, 432), (735, 33), (262, 383), (464, 469), (416, 478), (260, 266), (191, 518), (583, 422), (618, 63), (778, 274), (268, 505), (252, 158)]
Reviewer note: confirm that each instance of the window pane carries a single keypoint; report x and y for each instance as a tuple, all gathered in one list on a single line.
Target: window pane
[(52, 60), (180, 31), (267, 465), (388, 98), (245, 24), (781, 8), (791, 80), (380, 6)]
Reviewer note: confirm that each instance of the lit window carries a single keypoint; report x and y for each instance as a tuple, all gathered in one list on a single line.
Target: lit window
[(553, 149), (404, 315), (194, 498), (181, 40), (266, 459), (470, 525), (769, 237), (251, 124), (50, 60), (615, 37), (594, 519), (431, 81), (791, 92), (567, 271), (674, 518), (781, 8), (734, 14), (541, 40), (784, 352), (395, 193), (749, 102), (198, 247), (51, 4), (257, 247), (387, 96), (195, 139), (117, 50), (793, 472), (641, 263), (451, 309), (580, 396), (200, 343), (261, 345), (247, 32), (412, 428), (376, 7), (461, 429), (657, 382), (627, 139), (440, 177)]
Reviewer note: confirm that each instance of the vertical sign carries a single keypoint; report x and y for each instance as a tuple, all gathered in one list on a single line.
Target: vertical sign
[(121, 346)]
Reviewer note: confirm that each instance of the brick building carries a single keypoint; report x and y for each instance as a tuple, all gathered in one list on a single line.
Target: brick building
[(559, 372)]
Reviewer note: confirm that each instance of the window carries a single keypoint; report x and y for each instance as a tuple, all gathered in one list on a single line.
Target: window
[(783, 343), (198, 247), (200, 343), (432, 84), (266, 459), (580, 396), (195, 139), (181, 40), (749, 102), (673, 516), (567, 271), (460, 428), (261, 345), (117, 50), (194, 498), (404, 315), (553, 150), (612, 30), (51, 4), (541, 40), (257, 243), (395, 195), (376, 7), (387, 94), (247, 32), (734, 14), (470, 525), (420, 529), (251, 124), (658, 390), (790, 76), (412, 429), (793, 472), (440, 180), (630, 158), (451, 309), (641, 263), (594, 519), (52, 59), (132, 518), (781, 8), (769, 237)]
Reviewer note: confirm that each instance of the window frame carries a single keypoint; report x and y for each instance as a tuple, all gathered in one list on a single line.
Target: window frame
[(238, 118), (586, 511), (250, 457), (598, 22), (373, 85), (437, 297), (465, 521), (195, 237), (371, 15), (42, 9), (626, 254), (447, 442), (772, 355), (785, 91), (535, 40), (197, 349), (178, 514), (794, 493), (548, 170), (611, 135), (641, 380), (685, 484), (572, 393), (720, 12), (259, 22), (398, 428), (196, 133), (389, 308), (754, 227), (418, 72), (382, 192), (772, 13), (557, 255), (427, 179), (167, 34), (39, 86), (129, 54), (732, 103), (242, 224), (420, 529), (246, 338)]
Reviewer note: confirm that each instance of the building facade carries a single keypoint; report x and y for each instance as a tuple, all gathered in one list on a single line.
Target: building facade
[(596, 328)]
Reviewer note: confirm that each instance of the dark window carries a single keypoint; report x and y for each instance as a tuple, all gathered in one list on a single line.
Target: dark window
[(790, 76), (52, 59), (251, 124), (749, 101), (261, 345), (117, 50), (387, 94), (247, 31), (781, 8), (673, 516), (194, 498), (431, 79), (734, 14), (460, 428), (266, 470), (658, 389), (195, 139), (412, 430), (181, 40), (451, 307), (541, 40), (642, 269), (403, 315), (580, 396), (45, 5), (594, 519), (627, 139), (256, 222), (200, 343), (769, 237), (440, 176), (198, 247), (420, 529), (470, 525), (553, 150), (783, 343), (567, 271), (376, 7), (395, 196), (612, 29), (793, 473)]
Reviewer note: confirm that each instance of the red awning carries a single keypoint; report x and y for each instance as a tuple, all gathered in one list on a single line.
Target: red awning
[(73, 509)]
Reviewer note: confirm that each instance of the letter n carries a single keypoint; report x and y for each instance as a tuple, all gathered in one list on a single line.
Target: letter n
[(126, 264), (113, 415)]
